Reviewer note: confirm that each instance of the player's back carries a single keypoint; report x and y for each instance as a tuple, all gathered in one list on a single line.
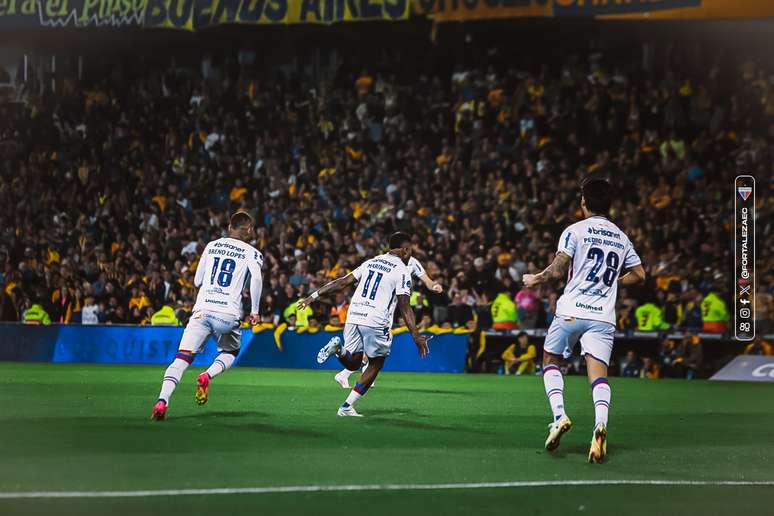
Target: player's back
[(380, 281), (223, 271), (599, 252)]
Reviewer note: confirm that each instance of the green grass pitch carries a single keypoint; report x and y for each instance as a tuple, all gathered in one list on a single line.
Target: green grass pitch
[(87, 428)]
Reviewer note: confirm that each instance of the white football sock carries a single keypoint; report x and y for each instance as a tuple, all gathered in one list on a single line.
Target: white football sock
[(351, 399), (554, 385), (600, 393), (172, 377), (220, 364), (346, 373)]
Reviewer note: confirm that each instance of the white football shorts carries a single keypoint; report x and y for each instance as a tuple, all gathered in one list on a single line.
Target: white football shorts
[(375, 342), (596, 337), (224, 328)]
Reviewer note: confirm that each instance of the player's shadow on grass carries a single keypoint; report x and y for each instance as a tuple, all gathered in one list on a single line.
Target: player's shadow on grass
[(572, 450), (217, 414), (232, 419), (411, 422), (266, 428), (437, 391), (397, 411)]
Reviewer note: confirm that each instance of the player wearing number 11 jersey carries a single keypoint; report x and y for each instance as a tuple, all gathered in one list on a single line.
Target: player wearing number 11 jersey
[(226, 265), (383, 283), (599, 256)]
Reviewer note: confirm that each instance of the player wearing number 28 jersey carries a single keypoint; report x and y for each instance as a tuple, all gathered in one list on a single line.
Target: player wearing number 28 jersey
[(599, 256), (225, 267)]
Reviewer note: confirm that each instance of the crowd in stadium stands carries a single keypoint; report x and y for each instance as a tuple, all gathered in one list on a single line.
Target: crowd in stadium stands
[(111, 191)]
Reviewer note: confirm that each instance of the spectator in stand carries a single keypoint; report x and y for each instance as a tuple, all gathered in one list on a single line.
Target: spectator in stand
[(764, 310), (649, 318), (691, 354), (165, 316), (673, 308), (693, 315), (481, 277), (670, 359), (503, 311), (35, 314), (650, 369), (519, 358), (421, 307), (527, 304), (131, 177), (90, 311), (714, 313), (631, 366), (338, 312), (460, 313), (759, 347)]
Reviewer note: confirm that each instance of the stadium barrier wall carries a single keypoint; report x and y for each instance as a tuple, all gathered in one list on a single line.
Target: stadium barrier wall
[(113, 344), (719, 349)]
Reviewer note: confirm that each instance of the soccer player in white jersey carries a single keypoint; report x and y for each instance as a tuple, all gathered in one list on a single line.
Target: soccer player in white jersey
[(599, 257), (224, 269), (383, 283), (417, 271)]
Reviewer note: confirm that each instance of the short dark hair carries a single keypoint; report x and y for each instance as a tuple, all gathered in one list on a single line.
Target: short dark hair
[(240, 219), (398, 239), (598, 194)]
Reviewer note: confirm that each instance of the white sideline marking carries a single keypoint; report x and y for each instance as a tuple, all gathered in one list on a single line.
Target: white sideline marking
[(378, 487)]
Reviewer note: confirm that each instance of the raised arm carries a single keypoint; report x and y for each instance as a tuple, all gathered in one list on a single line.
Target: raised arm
[(430, 284), (333, 286), (404, 305), (555, 271)]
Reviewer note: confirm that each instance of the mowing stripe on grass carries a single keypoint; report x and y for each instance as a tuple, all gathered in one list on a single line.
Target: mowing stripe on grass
[(378, 487)]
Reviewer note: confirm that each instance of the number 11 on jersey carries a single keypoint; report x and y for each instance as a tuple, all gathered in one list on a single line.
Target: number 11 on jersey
[(378, 280)]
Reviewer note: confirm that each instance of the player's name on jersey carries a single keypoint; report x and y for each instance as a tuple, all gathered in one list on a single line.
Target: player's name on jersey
[(376, 263), (604, 241), (228, 250)]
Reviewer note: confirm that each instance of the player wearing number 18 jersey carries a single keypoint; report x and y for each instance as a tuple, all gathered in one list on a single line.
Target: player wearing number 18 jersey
[(599, 256), (226, 265)]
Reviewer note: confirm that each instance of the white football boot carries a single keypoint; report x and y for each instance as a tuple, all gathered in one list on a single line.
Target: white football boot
[(556, 430), (349, 411), (331, 348)]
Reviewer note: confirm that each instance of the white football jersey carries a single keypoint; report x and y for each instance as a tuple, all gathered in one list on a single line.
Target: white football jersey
[(415, 268), (379, 281), (599, 252), (225, 267)]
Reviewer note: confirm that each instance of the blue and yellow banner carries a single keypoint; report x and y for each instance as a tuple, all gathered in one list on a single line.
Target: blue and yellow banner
[(194, 14), (199, 14), (663, 9), (466, 10)]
